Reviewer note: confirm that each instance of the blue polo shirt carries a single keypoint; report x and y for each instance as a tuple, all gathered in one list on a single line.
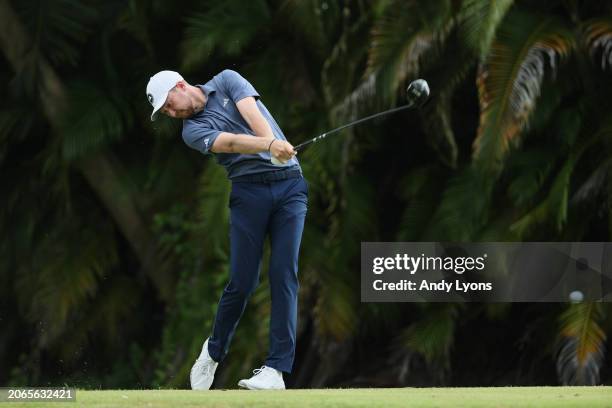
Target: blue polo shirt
[(220, 114)]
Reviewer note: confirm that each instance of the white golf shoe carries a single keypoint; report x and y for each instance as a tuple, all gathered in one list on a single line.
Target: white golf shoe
[(203, 371), (264, 378)]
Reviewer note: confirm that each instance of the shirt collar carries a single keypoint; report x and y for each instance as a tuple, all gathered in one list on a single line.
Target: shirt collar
[(207, 88)]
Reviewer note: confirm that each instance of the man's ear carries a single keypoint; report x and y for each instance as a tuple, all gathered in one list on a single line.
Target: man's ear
[(182, 85)]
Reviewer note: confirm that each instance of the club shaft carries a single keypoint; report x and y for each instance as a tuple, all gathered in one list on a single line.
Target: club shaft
[(358, 121)]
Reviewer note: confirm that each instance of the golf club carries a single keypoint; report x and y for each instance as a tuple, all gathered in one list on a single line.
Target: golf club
[(416, 94)]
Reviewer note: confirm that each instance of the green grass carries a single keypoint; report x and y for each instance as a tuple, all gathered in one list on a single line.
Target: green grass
[(539, 397)]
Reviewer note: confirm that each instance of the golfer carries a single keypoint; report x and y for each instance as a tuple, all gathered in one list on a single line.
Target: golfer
[(226, 118)]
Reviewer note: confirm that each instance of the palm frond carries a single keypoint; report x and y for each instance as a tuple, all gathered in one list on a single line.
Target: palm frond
[(358, 205), (67, 25), (594, 185), (598, 36), (510, 79), (93, 119), (193, 242), (531, 169), (554, 208), (420, 196), (341, 68), (350, 222), (437, 124), (116, 300), (478, 22), (335, 314), (432, 336), (104, 315), (227, 27), (62, 278), (365, 96), (498, 229), (213, 210), (286, 79), (307, 19), (549, 109), (380, 82), (464, 207), (581, 345), (436, 115), (330, 278), (399, 39), (134, 20)]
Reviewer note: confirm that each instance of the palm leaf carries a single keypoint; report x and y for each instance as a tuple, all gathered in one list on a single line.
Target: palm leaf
[(437, 124), (436, 115), (63, 277), (193, 241), (475, 25), (92, 120), (555, 206), (530, 170), (105, 316), (307, 19), (445, 78), (596, 184), (134, 20), (227, 27), (432, 336), (420, 196), (335, 314), (213, 210), (286, 79), (341, 68), (399, 39), (478, 22), (598, 38), (510, 79), (581, 345), (464, 207), (67, 25), (365, 96), (330, 276), (358, 207)]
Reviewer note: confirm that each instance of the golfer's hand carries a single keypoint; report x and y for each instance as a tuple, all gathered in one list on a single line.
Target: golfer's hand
[(282, 150)]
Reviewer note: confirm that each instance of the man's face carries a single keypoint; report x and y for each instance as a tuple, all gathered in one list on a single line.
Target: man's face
[(178, 104)]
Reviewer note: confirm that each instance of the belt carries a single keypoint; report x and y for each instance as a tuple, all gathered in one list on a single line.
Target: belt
[(269, 176)]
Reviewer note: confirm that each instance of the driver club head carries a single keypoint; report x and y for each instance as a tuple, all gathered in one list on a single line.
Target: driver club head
[(417, 92)]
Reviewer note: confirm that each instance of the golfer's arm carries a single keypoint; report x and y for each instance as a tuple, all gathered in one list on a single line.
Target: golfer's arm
[(240, 143), (253, 117)]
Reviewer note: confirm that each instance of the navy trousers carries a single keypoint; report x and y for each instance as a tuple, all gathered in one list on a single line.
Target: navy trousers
[(259, 209)]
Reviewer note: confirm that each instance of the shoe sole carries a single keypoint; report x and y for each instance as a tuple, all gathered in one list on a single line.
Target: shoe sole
[(242, 384)]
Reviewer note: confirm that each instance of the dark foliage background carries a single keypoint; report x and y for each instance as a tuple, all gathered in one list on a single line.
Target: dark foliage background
[(114, 250)]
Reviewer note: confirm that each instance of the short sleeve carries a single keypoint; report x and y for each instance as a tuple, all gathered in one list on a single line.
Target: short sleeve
[(199, 137), (236, 86)]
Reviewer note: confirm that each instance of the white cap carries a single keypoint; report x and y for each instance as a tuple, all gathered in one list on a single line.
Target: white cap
[(158, 87)]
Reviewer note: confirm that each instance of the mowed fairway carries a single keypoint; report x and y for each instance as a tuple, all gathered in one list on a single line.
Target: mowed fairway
[(357, 397)]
